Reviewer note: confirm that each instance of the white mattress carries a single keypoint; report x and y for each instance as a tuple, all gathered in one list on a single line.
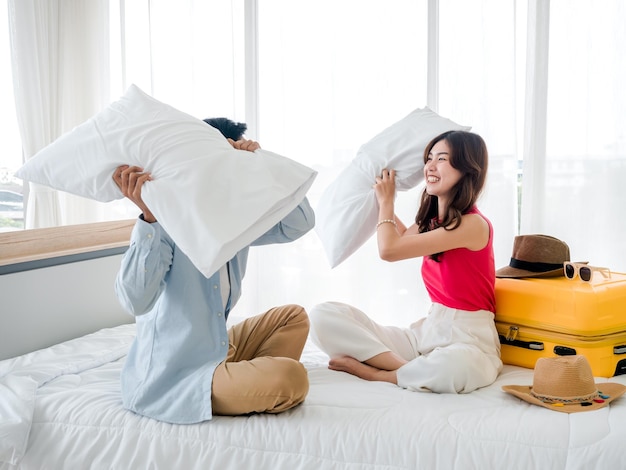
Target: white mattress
[(61, 409)]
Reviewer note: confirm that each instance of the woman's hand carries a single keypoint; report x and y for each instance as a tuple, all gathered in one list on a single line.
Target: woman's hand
[(385, 186), (243, 144), (130, 179)]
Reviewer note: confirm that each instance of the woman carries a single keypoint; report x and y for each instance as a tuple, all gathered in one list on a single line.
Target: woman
[(455, 349)]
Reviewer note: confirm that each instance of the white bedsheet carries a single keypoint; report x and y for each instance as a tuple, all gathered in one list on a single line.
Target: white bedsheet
[(61, 409)]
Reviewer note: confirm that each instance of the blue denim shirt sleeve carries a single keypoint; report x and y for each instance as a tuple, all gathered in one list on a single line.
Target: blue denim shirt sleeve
[(140, 280), (294, 225)]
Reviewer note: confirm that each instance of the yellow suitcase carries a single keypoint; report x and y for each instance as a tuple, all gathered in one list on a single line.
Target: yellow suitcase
[(556, 316)]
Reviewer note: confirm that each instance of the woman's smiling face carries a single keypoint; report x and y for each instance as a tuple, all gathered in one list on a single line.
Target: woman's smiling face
[(439, 174)]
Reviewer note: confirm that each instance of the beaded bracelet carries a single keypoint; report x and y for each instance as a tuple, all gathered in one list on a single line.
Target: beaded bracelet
[(386, 221)]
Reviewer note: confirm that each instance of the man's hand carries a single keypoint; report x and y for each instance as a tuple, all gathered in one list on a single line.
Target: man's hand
[(130, 179), (243, 144)]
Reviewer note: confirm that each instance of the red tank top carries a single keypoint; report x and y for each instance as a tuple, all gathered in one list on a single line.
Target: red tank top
[(462, 278)]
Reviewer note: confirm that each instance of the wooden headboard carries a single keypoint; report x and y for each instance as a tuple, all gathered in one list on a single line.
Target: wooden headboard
[(57, 284)]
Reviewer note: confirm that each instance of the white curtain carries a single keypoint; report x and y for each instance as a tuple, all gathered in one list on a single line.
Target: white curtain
[(60, 74), (536, 79), (540, 80), (572, 187)]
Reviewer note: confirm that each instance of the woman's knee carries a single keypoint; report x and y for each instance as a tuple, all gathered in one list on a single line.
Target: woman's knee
[(327, 314)]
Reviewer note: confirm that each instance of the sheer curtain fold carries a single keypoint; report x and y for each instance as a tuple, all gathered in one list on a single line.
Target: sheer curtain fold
[(534, 139), (34, 38), (60, 76)]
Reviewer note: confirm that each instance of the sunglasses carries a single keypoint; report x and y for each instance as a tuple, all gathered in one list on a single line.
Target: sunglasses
[(584, 271)]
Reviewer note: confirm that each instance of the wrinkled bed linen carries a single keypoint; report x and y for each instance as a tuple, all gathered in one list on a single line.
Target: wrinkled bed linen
[(60, 408)]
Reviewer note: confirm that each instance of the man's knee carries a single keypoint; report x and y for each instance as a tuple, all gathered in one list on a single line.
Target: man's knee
[(263, 385), (297, 314), (288, 384), (291, 377)]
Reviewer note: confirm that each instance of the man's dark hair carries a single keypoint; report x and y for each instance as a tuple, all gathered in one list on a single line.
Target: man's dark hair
[(229, 129)]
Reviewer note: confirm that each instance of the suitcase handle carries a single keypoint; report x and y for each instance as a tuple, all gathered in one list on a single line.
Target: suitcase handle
[(564, 351), (621, 349), (534, 345)]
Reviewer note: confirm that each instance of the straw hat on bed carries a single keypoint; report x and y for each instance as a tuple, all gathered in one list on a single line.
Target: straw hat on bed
[(566, 384), (536, 256)]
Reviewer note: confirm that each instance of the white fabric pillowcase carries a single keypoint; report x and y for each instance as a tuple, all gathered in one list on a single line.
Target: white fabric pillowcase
[(347, 212), (212, 199)]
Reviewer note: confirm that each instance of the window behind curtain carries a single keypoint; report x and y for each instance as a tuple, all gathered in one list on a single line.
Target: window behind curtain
[(188, 54)]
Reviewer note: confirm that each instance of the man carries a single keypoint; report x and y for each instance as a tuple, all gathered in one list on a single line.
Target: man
[(184, 366)]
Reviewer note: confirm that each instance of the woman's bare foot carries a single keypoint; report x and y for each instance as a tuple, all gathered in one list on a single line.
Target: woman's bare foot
[(364, 371)]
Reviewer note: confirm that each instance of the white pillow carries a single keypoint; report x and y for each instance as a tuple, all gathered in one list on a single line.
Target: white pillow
[(347, 211), (213, 200)]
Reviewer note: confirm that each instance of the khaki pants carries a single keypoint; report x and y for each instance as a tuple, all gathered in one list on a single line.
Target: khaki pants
[(262, 372)]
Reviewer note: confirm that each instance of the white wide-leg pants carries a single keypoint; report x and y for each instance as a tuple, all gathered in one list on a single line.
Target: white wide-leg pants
[(449, 351)]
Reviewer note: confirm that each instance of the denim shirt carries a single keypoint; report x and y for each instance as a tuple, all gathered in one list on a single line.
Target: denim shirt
[(181, 320)]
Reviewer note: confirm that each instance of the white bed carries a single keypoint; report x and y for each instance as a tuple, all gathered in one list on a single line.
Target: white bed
[(64, 403), (60, 404)]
